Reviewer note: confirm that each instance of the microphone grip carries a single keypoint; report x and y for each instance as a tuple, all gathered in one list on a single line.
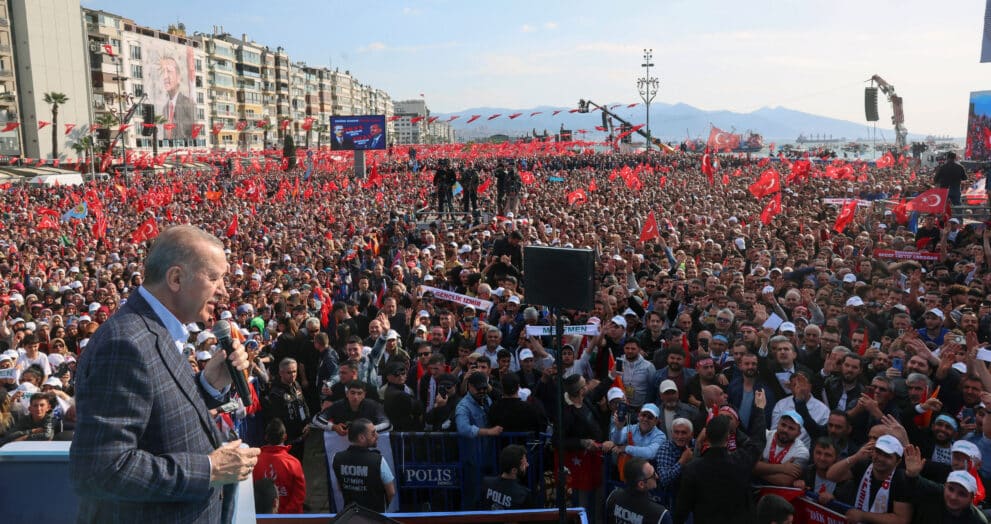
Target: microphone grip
[(237, 377)]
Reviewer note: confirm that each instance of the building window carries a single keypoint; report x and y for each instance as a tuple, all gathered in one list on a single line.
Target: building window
[(139, 89), (199, 98), (136, 71), (199, 65), (135, 52), (200, 115)]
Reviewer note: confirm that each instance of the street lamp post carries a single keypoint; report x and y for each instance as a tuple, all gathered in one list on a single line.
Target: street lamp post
[(647, 86)]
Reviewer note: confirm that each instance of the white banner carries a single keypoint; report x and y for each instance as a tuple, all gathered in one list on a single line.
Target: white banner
[(458, 298), (843, 201), (9, 373), (544, 331)]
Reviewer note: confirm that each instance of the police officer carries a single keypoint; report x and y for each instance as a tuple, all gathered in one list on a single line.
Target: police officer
[(362, 473), (632, 504), (505, 491), (469, 182)]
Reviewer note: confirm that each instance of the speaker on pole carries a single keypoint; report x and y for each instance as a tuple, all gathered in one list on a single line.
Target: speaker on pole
[(559, 277), (870, 104)]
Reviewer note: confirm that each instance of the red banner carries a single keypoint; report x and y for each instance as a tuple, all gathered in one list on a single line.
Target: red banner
[(806, 510), (906, 255)]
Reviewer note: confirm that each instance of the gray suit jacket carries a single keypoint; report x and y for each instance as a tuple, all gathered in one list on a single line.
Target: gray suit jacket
[(184, 117), (139, 453)]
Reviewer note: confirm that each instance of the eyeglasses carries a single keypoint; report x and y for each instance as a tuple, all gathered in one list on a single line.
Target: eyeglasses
[(426, 354), (723, 319)]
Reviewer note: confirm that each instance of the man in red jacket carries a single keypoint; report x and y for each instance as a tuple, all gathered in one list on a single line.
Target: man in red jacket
[(286, 472)]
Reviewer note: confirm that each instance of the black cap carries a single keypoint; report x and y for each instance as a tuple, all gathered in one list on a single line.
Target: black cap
[(447, 379), (395, 368), (478, 380)]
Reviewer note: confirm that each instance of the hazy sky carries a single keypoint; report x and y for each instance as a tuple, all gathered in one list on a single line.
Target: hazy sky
[(809, 55)]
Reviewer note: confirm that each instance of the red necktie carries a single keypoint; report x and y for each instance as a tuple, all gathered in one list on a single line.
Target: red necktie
[(168, 131)]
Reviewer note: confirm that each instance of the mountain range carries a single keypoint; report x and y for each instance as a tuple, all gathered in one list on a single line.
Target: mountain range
[(670, 122)]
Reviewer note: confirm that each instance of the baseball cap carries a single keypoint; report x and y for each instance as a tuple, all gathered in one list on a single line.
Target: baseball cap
[(514, 299), (668, 385), (889, 445), (937, 313), (54, 382), (524, 394), (849, 278), (629, 312), (391, 335), (967, 448), (525, 354), (478, 380), (854, 301), (614, 393), (792, 414), (619, 320), (203, 355), (964, 479), (652, 409), (226, 315), (5, 357), (722, 338), (204, 336), (954, 220), (785, 327)]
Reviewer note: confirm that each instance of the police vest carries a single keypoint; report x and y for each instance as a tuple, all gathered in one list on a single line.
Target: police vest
[(359, 475), (501, 494), (623, 507)]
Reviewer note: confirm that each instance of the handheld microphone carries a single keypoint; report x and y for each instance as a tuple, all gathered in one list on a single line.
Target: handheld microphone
[(222, 330)]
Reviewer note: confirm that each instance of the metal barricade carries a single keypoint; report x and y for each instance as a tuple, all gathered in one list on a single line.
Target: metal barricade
[(433, 469)]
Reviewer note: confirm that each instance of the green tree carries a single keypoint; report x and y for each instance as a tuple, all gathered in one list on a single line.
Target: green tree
[(84, 147), (289, 150), (107, 121), (265, 130), (320, 129), (55, 99)]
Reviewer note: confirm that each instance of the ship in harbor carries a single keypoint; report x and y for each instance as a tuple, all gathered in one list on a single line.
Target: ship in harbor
[(818, 139)]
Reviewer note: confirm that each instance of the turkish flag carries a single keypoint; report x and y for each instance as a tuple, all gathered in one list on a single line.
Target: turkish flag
[(69, 128), (241, 124), (473, 118), (576, 197), (485, 185), (768, 183), (887, 160), (901, 212), (415, 119), (720, 140), (146, 231), (514, 115), (42, 124), (195, 131), (232, 227), (10, 126), (109, 49), (47, 222), (497, 115), (649, 231), (307, 123), (771, 210), (932, 201), (216, 128), (707, 167), (283, 125), (846, 215)]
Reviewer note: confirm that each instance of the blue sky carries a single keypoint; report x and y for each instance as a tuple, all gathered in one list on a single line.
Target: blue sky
[(808, 55)]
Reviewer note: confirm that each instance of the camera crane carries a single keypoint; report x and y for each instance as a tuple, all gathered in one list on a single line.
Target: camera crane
[(585, 105)]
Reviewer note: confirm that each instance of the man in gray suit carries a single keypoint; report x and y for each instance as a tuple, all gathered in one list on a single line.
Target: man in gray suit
[(179, 110), (145, 448)]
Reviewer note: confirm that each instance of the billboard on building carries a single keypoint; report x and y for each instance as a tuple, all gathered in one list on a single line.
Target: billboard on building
[(168, 78), (986, 40), (979, 126), (357, 132)]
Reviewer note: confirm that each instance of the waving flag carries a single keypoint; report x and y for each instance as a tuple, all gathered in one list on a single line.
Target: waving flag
[(768, 184), (9, 126), (232, 227), (514, 116), (109, 49), (473, 118), (78, 212), (846, 216), (69, 128), (497, 115), (649, 230), (887, 160), (146, 231), (720, 140), (932, 201), (772, 209), (577, 197)]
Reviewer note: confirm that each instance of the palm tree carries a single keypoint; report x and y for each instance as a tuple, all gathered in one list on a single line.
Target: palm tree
[(321, 129), (265, 129), (55, 99), (83, 147), (107, 121)]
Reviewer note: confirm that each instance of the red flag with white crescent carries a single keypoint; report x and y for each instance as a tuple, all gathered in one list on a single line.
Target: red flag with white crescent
[(649, 230), (932, 201), (772, 209), (847, 212)]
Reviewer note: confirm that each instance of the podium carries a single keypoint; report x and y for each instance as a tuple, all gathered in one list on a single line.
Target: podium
[(38, 489)]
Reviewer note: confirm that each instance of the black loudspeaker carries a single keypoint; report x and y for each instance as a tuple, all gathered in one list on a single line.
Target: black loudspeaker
[(355, 514), (559, 277), (605, 121), (870, 104), (147, 117)]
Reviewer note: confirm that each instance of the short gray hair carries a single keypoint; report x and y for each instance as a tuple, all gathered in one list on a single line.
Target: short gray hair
[(681, 421), (915, 378), (177, 246), (286, 362)]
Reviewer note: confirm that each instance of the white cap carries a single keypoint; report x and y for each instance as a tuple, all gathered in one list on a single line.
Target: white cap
[(226, 315), (619, 320), (391, 335), (204, 336), (964, 479), (27, 387), (615, 393), (513, 299), (954, 220), (464, 249), (55, 360), (203, 355), (5, 357), (94, 307), (668, 385), (193, 327), (889, 445), (849, 278), (423, 313), (524, 394), (767, 289), (525, 354), (54, 382), (786, 326), (967, 448), (854, 301), (652, 409), (630, 311), (936, 312)]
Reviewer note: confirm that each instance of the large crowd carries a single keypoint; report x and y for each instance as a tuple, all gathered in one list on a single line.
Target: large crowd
[(811, 355)]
